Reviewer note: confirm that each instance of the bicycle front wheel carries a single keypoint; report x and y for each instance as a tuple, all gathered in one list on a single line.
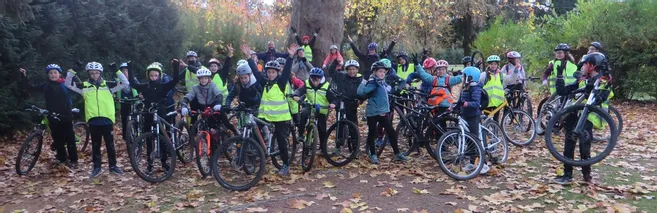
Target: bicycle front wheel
[(461, 157), (184, 149), (618, 118), (245, 155), (497, 148), (567, 120), (29, 153), (519, 127), (343, 142), (309, 149), (151, 164), (82, 135), (203, 153)]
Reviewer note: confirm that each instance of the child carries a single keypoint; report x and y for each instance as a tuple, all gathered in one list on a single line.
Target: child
[(247, 90), (492, 82), (57, 101), (469, 104), (220, 77), (378, 105), (371, 56), (594, 66), (126, 108), (99, 112), (559, 72), (306, 43), (316, 91), (155, 92), (347, 82), (515, 73), (334, 54)]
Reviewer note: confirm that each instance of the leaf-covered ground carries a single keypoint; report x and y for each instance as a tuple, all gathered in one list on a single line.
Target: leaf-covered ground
[(625, 182)]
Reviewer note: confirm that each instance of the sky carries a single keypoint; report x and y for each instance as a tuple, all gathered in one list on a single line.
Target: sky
[(269, 2)]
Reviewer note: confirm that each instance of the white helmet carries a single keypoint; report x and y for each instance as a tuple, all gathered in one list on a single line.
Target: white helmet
[(243, 69), (94, 66), (242, 61), (203, 72), (351, 63), (192, 53), (333, 47)]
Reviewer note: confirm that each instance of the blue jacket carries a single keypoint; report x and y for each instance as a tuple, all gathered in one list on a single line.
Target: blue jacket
[(427, 79), (165, 79), (473, 97), (378, 102)]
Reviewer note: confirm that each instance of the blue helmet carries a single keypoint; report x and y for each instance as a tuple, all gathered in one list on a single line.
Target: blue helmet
[(53, 66), (317, 72), (471, 72), (373, 46)]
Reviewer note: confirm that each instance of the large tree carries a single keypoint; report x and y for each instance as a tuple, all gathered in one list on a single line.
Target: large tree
[(307, 15)]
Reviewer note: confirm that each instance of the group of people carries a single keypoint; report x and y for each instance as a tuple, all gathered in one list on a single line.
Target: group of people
[(285, 79)]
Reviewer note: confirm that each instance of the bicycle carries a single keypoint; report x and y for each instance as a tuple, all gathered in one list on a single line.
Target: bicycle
[(243, 156), (469, 153), (514, 120), (208, 138), (556, 123), (30, 150), (135, 123), (419, 127), (311, 134), (346, 132), (172, 140), (397, 104)]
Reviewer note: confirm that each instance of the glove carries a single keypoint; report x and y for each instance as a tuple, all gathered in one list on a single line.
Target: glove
[(363, 81), (184, 111), (216, 108), (113, 67), (415, 60), (317, 30), (78, 66), (303, 59), (323, 66), (293, 30), (545, 82)]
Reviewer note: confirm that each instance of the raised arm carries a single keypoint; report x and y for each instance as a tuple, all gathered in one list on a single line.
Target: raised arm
[(175, 65), (124, 80), (391, 45), (366, 86), (27, 85), (228, 64), (69, 78), (133, 81), (312, 41)]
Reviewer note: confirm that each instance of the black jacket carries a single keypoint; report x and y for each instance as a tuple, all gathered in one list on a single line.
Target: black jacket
[(367, 60), (56, 94), (249, 94), (155, 91), (345, 84)]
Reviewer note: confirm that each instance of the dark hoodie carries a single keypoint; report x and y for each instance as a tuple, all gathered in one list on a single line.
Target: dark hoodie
[(56, 94), (155, 91), (367, 60), (250, 94), (271, 55), (346, 84)]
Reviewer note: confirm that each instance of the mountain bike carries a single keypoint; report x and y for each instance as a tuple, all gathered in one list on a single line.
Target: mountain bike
[(135, 120), (30, 150), (461, 155), (345, 146), (311, 136), (518, 126), (210, 132)]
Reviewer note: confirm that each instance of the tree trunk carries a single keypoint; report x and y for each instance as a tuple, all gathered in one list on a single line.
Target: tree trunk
[(307, 15), (468, 36)]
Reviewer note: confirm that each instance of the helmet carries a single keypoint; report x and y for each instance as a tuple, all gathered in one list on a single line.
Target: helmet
[(94, 66), (281, 60), (333, 47), (53, 66), (241, 61), (563, 47), (386, 62), (214, 60), (596, 59), (305, 37), (154, 66), (402, 54), (472, 72), (442, 63), (123, 65), (299, 49), (351, 63), (317, 72), (429, 63), (273, 65), (253, 52), (158, 64), (493, 58), (597, 45), (378, 65), (466, 59), (243, 69), (203, 72), (191, 53), (513, 54), (373, 46)]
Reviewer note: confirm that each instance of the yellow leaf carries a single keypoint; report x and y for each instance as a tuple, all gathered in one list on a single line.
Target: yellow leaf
[(328, 184), (346, 210), (420, 192)]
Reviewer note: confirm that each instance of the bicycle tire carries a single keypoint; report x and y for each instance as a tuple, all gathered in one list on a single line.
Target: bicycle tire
[(85, 136), (309, 150), (539, 116), (492, 125), (186, 152), (141, 140), (201, 149), (24, 148), (132, 133), (528, 104), (224, 148), (619, 124), (431, 149), (530, 121), (353, 143), (402, 132), (473, 140), (574, 109)]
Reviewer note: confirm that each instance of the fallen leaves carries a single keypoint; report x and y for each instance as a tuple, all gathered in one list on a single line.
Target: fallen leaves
[(420, 192), (256, 209), (328, 184), (299, 204), (389, 192)]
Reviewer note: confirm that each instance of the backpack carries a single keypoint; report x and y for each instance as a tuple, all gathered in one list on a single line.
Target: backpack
[(485, 99)]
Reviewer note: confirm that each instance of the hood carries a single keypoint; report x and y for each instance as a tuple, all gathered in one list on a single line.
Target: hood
[(252, 81), (405, 57)]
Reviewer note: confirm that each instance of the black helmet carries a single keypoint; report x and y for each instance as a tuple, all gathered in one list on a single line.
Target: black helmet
[(402, 54), (466, 59), (562, 46), (597, 45), (596, 59), (378, 65)]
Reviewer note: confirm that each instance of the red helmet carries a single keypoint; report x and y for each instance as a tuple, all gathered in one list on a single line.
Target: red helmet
[(305, 37), (442, 63), (429, 63), (214, 60)]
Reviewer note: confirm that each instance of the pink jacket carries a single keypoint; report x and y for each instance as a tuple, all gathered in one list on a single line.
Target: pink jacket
[(297, 83), (332, 57)]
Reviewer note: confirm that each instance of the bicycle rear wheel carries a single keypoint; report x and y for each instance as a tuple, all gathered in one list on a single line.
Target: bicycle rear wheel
[(518, 127), (82, 135), (203, 153), (497, 149), (462, 165), (143, 160), (245, 155), (132, 133), (343, 140), (309, 149), (291, 149), (29, 153)]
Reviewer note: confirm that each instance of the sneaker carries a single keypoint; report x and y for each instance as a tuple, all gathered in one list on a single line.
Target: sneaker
[(379, 142), (563, 180), (72, 165), (485, 169), (96, 172), (149, 170), (284, 170), (374, 159), (588, 178), (166, 166), (468, 167), (116, 170), (401, 157)]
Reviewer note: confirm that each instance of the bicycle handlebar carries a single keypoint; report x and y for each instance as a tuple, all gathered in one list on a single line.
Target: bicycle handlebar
[(43, 112)]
